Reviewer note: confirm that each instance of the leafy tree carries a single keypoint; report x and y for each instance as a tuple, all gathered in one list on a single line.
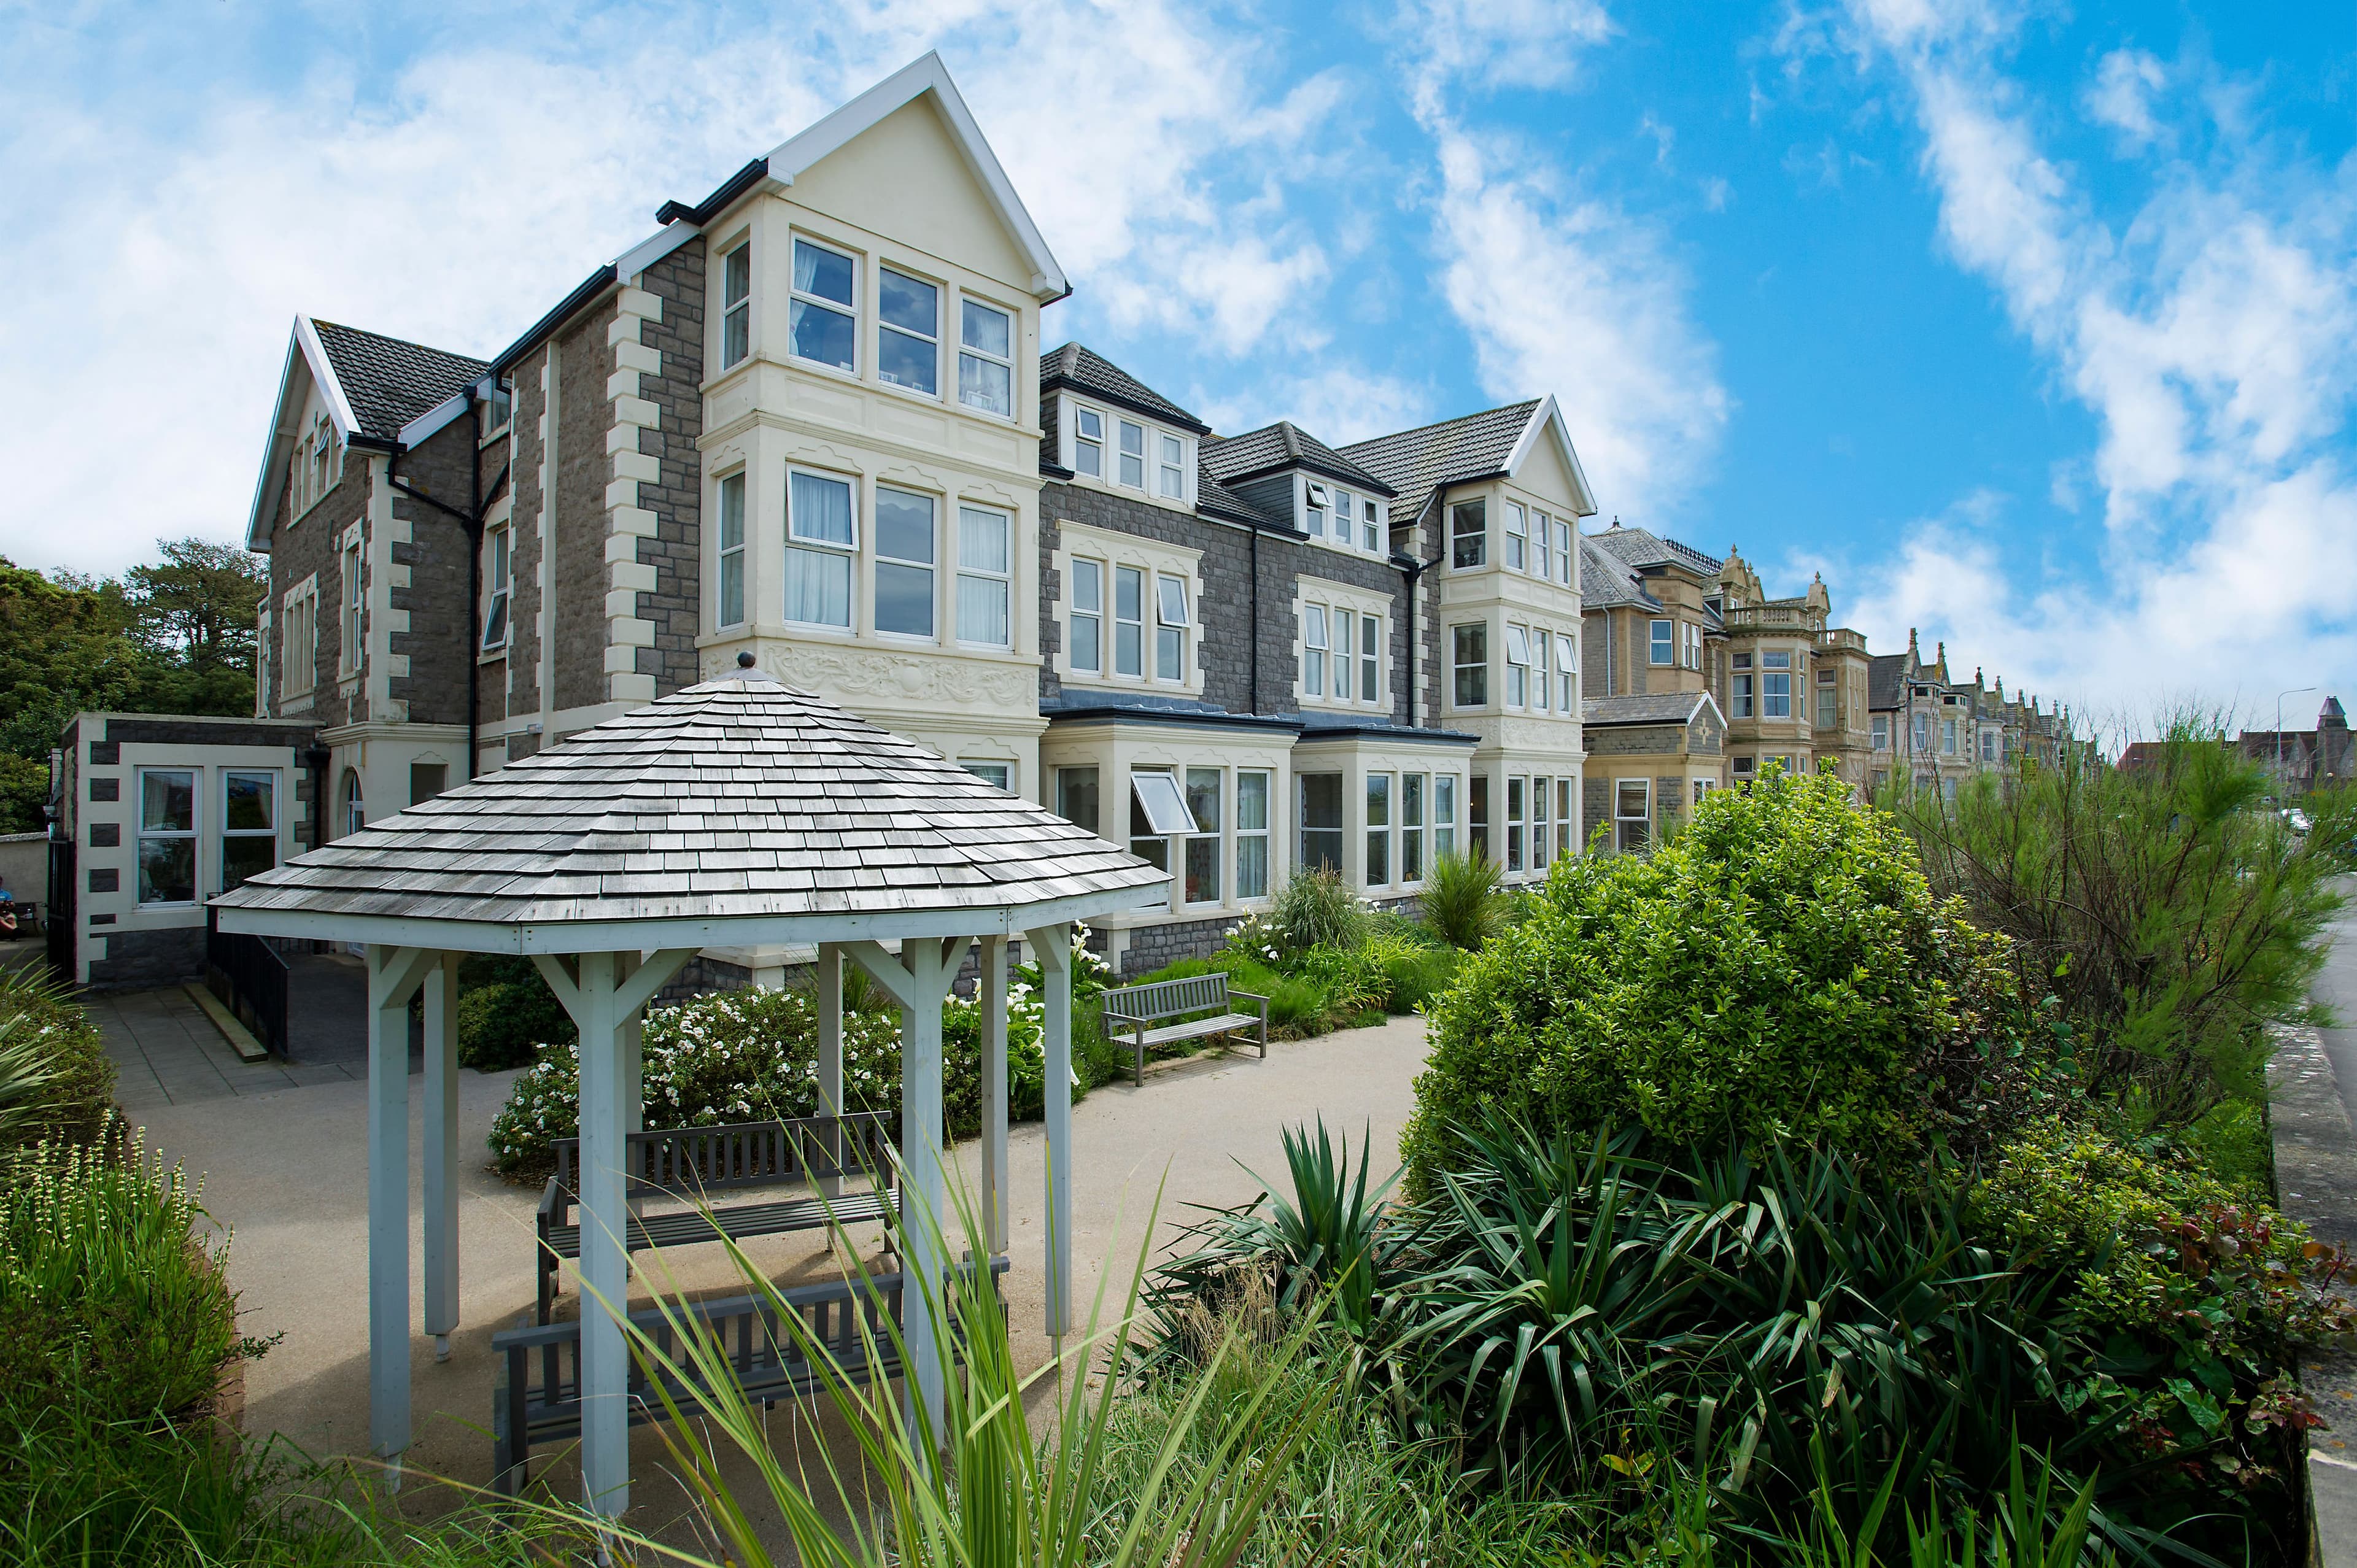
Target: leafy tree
[(195, 604)]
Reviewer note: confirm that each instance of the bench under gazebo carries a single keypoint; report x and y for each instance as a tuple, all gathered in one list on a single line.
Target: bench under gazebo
[(740, 814)]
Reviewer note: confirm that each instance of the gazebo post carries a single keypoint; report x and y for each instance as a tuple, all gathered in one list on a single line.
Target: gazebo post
[(830, 1061), (992, 953), (1052, 947), (441, 1179), (393, 977)]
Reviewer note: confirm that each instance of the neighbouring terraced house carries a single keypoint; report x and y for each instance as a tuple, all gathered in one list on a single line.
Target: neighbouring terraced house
[(809, 419)]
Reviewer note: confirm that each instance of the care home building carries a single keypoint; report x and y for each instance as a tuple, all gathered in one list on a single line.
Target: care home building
[(809, 419)]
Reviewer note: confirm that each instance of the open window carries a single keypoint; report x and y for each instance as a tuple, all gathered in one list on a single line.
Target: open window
[(1165, 807)]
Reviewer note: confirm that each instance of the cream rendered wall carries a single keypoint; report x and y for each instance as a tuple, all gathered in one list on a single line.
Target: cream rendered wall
[(900, 194)]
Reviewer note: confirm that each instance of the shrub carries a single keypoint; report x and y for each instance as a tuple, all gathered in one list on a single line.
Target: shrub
[(506, 1012), (1461, 899), (2171, 912), (1316, 907), (109, 1300), (1781, 971), (64, 1079)]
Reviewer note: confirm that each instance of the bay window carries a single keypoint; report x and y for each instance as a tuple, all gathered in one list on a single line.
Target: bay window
[(1468, 535), (1567, 816), (904, 563), (1088, 616), (909, 332), (1133, 455), (1203, 870), (1693, 659), (1170, 624), (1252, 833), (821, 536), (985, 573), (1128, 621), (1088, 443), (1158, 814), (1378, 830), (1542, 689), (820, 322), (1825, 699), (1469, 649), (737, 306), (730, 609), (986, 358), (1948, 737), (1476, 816), (1922, 731), (167, 835), (1776, 685)]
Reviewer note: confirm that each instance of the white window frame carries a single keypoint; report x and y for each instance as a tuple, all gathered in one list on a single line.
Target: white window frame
[(1770, 699), (1660, 642), (1517, 537), (1622, 818), (1173, 626), (736, 310), (1001, 579), (729, 555), (1694, 646), (1382, 784), (1881, 724), (1541, 684), (1372, 643), (818, 546), (1144, 579), (931, 339), (193, 835), (1563, 557), (268, 832), (796, 297), (1123, 456), (1086, 569), (1542, 547), (1214, 836), (1469, 548), (1459, 666), (351, 572), (1444, 814), (499, 583), (1567, 674), (1315, 505), (981, 354), (299, 613), (1082, 441), (1263, 834), (1171, 466), (877, 560), (1371, 524), (1518, 665), (1315, 648)]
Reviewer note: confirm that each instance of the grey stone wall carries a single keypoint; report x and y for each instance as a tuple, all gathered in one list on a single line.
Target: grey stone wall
[(1151, 947), (139, 959), (297, 550), (676, 605), (437, 643), (578, 629), (1632, 740), (529, 450)]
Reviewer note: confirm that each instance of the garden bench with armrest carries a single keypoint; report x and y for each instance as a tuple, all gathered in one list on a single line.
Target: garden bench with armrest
[(696, 1164), (1138, 1012), (538, 1400)]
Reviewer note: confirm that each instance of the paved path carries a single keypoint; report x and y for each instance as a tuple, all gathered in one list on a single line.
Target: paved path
[(167, 1052), (285, 1170)]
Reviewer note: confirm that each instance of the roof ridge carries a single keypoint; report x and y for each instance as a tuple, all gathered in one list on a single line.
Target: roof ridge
[(1438, 423)]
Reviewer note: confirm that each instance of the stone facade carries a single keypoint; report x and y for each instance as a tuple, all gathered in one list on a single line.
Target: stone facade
[(577, 534), (432, 655), (675, 336)]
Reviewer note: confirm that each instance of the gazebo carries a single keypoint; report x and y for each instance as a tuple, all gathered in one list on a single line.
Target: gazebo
[(739, 812)]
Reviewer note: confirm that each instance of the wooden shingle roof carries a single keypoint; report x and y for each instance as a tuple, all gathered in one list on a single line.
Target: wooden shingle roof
[(739, 809)]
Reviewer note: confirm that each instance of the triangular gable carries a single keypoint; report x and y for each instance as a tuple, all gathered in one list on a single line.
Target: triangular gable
[(804, 150), (1546, 425), (303, 352)]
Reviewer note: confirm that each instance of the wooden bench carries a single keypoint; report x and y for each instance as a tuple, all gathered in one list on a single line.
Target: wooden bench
[(538, 1399), (1138, 1012), (696, 1165)]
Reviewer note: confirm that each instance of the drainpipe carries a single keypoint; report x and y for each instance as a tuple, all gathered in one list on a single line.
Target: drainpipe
[(1255, 617), (472, 520), (1409, 567)]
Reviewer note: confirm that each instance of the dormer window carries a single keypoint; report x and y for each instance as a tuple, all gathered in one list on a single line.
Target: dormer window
[(1374, 524), (1316, 509), (1133, 455), (986, 358), (1173, 472), (1088, 443)]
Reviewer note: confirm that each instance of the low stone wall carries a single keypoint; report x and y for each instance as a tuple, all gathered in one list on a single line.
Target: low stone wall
[(144, 960), (1151, 947)]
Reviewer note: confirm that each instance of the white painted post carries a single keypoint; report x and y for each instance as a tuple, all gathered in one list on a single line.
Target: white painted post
[(924, 1190), (394, 975), (441, 1008), (605, 1264), (1052, 946), (992, 952), (830, 1060)]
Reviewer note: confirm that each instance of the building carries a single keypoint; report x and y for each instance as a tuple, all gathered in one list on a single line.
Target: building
[(2307, 760), (1656, 735), (1794, 685), (809, 419)]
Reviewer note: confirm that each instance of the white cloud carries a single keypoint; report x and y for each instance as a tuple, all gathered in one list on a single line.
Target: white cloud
[(1568, 294), (2201, 336), (1338, 409), (170, 222), (1499, 43), (2122, 96)]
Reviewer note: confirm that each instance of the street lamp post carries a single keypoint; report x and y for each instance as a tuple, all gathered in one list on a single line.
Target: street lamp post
[(2294, 692)]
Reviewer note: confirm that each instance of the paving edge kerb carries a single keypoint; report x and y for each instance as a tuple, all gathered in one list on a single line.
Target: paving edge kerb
[(2316, 1182)]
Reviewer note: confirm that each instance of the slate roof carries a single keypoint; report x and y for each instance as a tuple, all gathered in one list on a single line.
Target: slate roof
[(1653, 708), (738, 799), (1640, 547), (1085, 370), (1415, 462), (388, 380), (1606, 580), (1886, 678), (1275, 447), (1216, 499)]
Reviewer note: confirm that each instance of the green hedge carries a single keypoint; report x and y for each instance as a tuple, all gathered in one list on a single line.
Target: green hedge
[(1779, 969)]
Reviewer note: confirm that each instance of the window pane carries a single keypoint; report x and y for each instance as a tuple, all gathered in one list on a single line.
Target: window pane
[(986, 329), (1322, 821), (1128, 649), (738, 284), (1468, 527), (982, 611), (820, 334), (985, 385), (245, 856), (736, 336), (909, 303), (1076, 796), (1202, 871), (905, 361), (904, 599), (981, 540), (1088, 586), (993, 773), (904, 526), (1251, 801), (732, 590), (1128, 610), (167, 870), (168, 801), (1133, 455), (248, 804), (823, 273), (818, 587), (1088, 643), (1252, 866), (1172, 594), (1163, 807), (820, 510), (732, 514)]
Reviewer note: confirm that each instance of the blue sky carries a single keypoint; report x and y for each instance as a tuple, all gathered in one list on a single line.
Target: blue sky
[(2025, 325)]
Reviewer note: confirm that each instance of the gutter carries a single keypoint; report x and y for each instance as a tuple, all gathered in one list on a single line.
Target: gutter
[(590, 289)]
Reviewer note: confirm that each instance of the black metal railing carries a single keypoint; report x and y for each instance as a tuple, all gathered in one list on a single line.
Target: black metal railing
[(250, 978)]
